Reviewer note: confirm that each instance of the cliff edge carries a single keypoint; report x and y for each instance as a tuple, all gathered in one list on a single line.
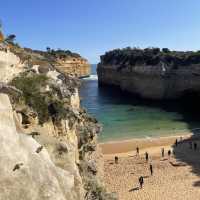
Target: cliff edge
[(64, 61), (49, 147), (151, 73)]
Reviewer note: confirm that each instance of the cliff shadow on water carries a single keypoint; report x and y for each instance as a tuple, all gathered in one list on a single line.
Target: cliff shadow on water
[(187, 106)]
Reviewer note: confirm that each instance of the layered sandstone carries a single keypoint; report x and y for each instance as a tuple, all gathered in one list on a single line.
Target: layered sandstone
[(1, 36), (76, 66), (64, 61)]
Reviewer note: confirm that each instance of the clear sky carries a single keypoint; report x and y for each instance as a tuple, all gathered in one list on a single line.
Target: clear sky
[(91, 27)]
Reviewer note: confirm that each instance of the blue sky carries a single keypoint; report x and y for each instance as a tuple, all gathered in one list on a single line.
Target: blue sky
[(91, 27)]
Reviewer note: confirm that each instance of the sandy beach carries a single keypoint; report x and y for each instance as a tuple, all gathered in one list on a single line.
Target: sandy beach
[(176, 177)]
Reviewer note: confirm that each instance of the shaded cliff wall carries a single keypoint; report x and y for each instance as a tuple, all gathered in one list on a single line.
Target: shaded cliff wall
[(153, 82)]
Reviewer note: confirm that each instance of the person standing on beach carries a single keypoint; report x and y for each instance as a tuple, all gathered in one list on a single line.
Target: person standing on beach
[(176, 143), (141, 181), (169, 153), (151, 169), (137, 151), (116, 159), (146, 156), (195, 146), (163, 152)]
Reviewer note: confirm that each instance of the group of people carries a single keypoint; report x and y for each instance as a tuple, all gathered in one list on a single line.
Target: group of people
[(141, 178), (192, 145)]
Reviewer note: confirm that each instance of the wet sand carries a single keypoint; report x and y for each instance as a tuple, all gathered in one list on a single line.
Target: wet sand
[(174, 177), (130, 145)]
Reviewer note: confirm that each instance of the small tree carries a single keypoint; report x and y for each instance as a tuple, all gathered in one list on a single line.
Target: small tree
[(10, 38), (165, 50), (48, 49)]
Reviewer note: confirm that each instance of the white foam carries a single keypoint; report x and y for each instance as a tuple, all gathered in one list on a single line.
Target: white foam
[(91, 77)]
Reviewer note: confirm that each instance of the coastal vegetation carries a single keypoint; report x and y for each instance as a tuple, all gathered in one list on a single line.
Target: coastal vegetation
[(41, 97), (62, 53), (150, 56), (45, 102)]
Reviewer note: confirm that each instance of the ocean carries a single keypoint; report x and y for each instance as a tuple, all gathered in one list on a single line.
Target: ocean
[(123, 116)]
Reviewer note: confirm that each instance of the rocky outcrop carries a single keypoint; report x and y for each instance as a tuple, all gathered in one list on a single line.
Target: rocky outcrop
[(66, 62), (1, 36), (49, 143), (10, 65), (25, 172), (152, 82), (77, 66)]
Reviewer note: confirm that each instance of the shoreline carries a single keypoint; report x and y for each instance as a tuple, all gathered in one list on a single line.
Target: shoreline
[(180, 170), (129, 145)]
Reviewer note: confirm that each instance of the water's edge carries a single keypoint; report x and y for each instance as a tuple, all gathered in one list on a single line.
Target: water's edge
[(124, 117)]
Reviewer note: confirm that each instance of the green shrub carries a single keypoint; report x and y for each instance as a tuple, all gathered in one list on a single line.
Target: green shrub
[(150, 56), (44, 103)]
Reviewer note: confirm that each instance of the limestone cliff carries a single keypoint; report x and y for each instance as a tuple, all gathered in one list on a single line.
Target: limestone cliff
[(78, 66), (48, 142), (153, 78), (1, 36), (26, 174), (64, 61)]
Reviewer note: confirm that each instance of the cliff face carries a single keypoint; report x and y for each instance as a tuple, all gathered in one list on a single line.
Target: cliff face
[(160, 81), (1, 36), (64, 61), (77, 66), (26, 174), (10, 65), (48, 142)]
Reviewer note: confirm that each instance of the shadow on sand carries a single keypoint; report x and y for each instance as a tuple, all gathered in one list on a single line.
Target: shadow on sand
[(188, 107), (185, 155), (134, 189)]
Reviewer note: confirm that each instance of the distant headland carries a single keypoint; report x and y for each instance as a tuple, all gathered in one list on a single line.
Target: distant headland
[(151, 73)]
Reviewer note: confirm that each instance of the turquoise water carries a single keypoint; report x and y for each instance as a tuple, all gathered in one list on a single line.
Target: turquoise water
[(123, 116)]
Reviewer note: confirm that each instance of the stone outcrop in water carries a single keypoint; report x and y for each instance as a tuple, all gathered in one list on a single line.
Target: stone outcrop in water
[(48, 142), (151, 73)]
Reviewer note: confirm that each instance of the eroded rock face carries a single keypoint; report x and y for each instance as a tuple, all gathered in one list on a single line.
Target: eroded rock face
[(76, 66), (24, 173), (54, 159), (10, 65), (152, 82)]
